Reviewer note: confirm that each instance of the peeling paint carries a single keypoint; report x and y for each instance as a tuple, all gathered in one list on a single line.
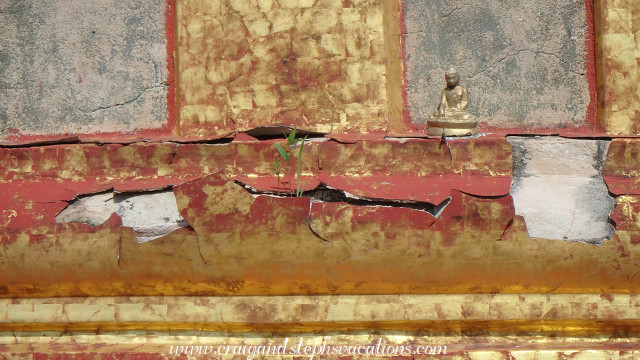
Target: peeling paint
[(151, 215), (289, 245), (622, 169), (417, 170), (559, 189), (246, 242)]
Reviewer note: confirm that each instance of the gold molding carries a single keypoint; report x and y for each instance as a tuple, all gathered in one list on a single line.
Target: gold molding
[(456, 314)]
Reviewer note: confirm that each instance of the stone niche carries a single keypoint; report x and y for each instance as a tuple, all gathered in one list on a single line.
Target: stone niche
[(526, 63)]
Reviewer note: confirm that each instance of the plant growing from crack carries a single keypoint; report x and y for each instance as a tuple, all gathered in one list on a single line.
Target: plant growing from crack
[(286, 155)]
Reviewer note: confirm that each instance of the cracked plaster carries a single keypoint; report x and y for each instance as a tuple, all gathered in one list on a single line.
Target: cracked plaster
[(558, 188), (151, 214)]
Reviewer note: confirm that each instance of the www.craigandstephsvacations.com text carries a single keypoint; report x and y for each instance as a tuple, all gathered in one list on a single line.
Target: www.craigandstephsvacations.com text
[(300, 348)]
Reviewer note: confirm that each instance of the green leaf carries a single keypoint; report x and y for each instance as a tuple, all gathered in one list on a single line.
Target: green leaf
[(276, 167), (291, 139), (283, 153)]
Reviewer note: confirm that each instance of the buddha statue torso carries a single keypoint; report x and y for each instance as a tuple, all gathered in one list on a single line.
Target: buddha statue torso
[(453, 103)]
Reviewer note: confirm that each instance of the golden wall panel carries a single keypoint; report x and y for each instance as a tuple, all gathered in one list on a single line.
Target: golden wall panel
[(319, 65), (619, 42)]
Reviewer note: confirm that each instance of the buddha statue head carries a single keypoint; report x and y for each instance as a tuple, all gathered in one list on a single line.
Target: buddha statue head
[(452, 78)]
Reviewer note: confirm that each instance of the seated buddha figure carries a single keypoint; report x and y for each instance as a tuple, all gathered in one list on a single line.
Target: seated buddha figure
[(451, 117)]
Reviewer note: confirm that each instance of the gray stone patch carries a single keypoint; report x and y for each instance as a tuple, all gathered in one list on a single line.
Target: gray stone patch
[(151, 215), (82, 66), (523, 62), (559, 190)]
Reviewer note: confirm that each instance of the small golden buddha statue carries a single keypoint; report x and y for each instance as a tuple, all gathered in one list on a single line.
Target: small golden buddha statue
[(451, 117)]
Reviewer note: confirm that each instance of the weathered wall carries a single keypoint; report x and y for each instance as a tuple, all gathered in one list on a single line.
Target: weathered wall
[(380, 215), (239, 243), (525, 63), (463, 182), (78, 67)]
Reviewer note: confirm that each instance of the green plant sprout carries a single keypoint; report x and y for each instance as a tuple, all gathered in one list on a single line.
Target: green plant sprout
[(286, 155), (276, 170)]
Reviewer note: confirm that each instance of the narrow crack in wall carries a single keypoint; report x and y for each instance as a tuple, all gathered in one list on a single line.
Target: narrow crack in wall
[(324, 193), (88, 112)]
